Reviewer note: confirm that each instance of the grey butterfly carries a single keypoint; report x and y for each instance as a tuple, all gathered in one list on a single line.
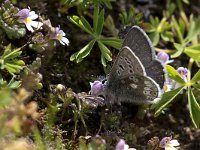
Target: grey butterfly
[(136, 76)]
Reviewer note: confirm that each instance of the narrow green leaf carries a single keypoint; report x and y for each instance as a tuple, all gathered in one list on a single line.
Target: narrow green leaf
[(113, 42), (73, 57), (74, 19), (193, 32), (194, 109), (193, 51), (86, 25), (166, 99), (181, 26), (95, 15), (105, 51), (100, 22), (14, 84), (11, 70), (85, 50), (196, 77), (7, 50), (15, 53), (155, 37), (103, 60), (179, 49), (178, 29), (197, 86), (81, 23), (173, 74)]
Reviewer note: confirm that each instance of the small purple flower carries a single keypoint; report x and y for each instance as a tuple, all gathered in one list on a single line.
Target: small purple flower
[(164, 58), (168, 143), (26, 16), (121, 145), (60, 36), (183, 71), (97, 88)]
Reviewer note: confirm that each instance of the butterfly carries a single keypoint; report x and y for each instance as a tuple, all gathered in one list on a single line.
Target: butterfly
[(136, 75)]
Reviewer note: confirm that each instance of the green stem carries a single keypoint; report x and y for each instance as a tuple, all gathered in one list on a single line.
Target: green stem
[(191, 61)]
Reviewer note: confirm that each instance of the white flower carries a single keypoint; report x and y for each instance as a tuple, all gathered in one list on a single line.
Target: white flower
[(26, 16), (60, 36), (169, 144)]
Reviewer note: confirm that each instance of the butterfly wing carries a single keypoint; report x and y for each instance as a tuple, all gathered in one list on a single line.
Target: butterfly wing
[(137, 40), (136, 89), (126, 63)]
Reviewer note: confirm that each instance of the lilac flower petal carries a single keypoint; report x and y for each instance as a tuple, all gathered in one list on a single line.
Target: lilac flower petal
[(182, 71), (163, 57), (61, 32), (23, 13), (96, 88), (120, 145)]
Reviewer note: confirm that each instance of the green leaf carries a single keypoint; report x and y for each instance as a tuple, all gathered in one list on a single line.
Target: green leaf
[(14, 84), (85, 50), (179, 49), (173, 74), (197, 86), (193, 52), (178, 29), (100, 22), (196, 77), (15, 53), (194, 109), (82, 23), (86, 25), (105, 51), (181, 26), (167, 36), (155, 37), (193, 31), (166, 99), (103, 60), (73, 57), (113, 42), (95, 15)]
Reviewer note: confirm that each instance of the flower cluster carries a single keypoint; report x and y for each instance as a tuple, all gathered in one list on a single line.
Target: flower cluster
[(28, 17)]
